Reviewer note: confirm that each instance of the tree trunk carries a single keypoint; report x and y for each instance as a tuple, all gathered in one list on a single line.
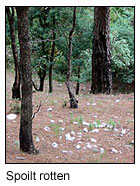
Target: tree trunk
[(52, 58), (25, 136), (101, 57), (42, 75), (16, 84), (78, 84), (73, 101)]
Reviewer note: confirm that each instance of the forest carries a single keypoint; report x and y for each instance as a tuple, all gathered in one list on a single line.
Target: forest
[(70, 80)]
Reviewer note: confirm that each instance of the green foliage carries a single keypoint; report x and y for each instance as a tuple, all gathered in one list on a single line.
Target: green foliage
[(15, 107)]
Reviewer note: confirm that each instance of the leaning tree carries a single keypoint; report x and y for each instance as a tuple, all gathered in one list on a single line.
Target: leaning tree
[(73, 101), (101, 57), (25, 136), (16, 85)]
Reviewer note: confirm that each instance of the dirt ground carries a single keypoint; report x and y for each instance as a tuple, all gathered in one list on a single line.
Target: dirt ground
[(101, 130)]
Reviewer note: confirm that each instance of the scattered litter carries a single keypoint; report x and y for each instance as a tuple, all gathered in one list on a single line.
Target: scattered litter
[(11, 116), (117, 101), (80, 142), (79, 133), (95, 130), (102, 150), (49, 109), (116, 117), (75, 122), (93, 140), (95, 116), (54, 145), (106, 130), (114, 150), (85, 123), (64, 151), (37, 139), (60, 137), (88, 104), (68, 137), (52, 121), (60, 121), (72, 132), (88, 145), (116, 130), (85, 130), (20, 158), (123, 132), (93, 104), (62, 129), (47, 129), (95, 149), (78, 147)]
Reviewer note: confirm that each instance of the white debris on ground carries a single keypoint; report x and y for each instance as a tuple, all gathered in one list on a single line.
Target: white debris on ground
[(60, 121), (37, 139), (102, 150), (123, 132), (54, 145), (78, 147), (68, 137), (93, 104), (20, 158), (85, 123), (72, 132), (75, 122), (47, 129), (11, 116), (113, 150), (49, 109), (52, 121), (93, 140), (95, 130), (85, 130)]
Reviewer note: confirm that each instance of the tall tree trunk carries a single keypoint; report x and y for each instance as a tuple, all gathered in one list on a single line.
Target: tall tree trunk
[(25, 136), (16, 84), (73, 101), (101, 57), (78, 84), (52, 57)]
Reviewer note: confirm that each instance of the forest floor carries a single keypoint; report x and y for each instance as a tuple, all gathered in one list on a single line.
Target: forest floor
[(101, 130)]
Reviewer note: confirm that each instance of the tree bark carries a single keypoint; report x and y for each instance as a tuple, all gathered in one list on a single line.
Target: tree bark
[(73, 101), (101, 57), (78, 84), (25, 136), (52, 57), (16, 84)]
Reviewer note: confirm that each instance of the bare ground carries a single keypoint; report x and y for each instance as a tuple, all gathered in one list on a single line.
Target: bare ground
[(111, 146)]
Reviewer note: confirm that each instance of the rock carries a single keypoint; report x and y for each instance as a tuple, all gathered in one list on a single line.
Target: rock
[(78, 147), (49, 109), (11, 116), (68, 137), (114, 150), (95, 130), (54, 145), (93, 140), (85, 123), (47, 129), (85, 130)]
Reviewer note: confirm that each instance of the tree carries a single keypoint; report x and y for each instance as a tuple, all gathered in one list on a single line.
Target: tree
[(101, 57), (16, 85), (73, 101), (25, 136)]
